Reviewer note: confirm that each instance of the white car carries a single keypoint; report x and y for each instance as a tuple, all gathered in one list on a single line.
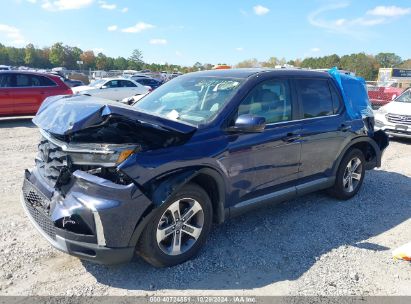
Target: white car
[(4, 68), (114, 89), (395, 117)]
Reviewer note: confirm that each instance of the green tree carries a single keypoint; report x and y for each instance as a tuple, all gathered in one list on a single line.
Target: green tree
[(120, 63), (248, 63), (135, 61), (361, 64), (89, 59), (331, 61), (57, 54), (4, 56), (15, 55), (388, 60), (406, 64), (198, 66), (43, 57), (30, 57), (271, 62), (102, 62)]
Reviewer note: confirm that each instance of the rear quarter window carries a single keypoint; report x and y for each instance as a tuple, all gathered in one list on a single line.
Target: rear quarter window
[(46, 82), (337, 102), (316, 98), (41, 81)]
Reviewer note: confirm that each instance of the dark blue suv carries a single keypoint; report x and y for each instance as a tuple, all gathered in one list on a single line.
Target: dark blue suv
[(112, 179)]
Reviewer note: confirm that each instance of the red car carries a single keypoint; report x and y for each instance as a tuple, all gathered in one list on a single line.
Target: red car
[(21, 93), (383, 94)]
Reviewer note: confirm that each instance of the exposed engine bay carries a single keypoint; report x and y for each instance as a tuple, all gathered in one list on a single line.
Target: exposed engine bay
[(96, 139)]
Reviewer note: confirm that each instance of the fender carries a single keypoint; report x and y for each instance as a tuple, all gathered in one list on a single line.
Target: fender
[(164, 187), (378, 149)]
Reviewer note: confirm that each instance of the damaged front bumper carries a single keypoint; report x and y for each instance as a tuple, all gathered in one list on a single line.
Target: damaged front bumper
[(94, 220)]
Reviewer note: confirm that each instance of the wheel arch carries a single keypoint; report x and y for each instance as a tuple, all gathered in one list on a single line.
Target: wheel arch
[(369, 147), (160, 189)]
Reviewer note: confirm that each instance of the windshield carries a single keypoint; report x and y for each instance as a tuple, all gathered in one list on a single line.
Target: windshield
[(405, 97), (97, 83), (195, 100)]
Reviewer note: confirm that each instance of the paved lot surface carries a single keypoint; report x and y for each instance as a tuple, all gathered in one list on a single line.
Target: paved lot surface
[(313, 245)]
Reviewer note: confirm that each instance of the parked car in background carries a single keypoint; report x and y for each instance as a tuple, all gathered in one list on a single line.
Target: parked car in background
[(5, 68), (395, 118), (129, 73), (72, 83), (147, 81), (203, 147), (382, 93), (112, 88), (21, 93)]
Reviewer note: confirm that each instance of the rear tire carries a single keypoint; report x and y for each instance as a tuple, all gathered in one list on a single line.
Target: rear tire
[(178, 229), (350, 175)]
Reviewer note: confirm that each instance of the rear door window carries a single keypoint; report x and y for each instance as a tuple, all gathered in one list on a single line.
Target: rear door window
[(23, 80), (315, 97), (43, 81), (127, 83)]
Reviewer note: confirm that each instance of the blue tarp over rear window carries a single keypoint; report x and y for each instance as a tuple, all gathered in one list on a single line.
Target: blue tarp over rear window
[(354, 92)]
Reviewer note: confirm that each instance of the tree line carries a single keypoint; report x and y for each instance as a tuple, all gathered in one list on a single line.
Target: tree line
[(60, 55), (361, 64)]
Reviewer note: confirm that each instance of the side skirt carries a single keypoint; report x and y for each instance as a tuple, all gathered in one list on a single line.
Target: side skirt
[(281, 195)]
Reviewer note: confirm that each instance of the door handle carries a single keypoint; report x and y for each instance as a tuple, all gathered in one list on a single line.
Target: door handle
[(291, 137), (344, 128)]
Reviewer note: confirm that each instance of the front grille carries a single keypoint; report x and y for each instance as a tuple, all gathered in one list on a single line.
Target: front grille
[(50, 161), (399, 119), (38, 207)]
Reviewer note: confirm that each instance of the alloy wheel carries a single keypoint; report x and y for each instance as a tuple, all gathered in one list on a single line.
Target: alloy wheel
[(352, 175), (180, 226)]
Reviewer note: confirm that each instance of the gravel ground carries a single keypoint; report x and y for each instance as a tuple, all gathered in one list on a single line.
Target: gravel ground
[(313, 245)]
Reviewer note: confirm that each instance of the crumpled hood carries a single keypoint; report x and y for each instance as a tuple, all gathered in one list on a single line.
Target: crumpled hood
[(64, 115)]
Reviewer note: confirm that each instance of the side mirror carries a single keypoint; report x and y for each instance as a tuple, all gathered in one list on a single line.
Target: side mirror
[(104, 87), (248, 123)]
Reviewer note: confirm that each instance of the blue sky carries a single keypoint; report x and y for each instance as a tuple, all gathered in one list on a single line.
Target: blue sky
[(229, 31)]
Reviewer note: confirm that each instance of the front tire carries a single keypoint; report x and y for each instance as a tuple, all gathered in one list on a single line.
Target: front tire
[(350, 175), (178, 228)]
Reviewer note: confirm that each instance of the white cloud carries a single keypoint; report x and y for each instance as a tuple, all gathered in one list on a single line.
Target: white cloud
[(260, 10), (124, 10), (13, 34), (107, 6), (32, 1), (354, 27), (112, 28), (389, 11), (179, 54), (139, 27), (61, 5), (158, 41), (315, 50), (239, 49)]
